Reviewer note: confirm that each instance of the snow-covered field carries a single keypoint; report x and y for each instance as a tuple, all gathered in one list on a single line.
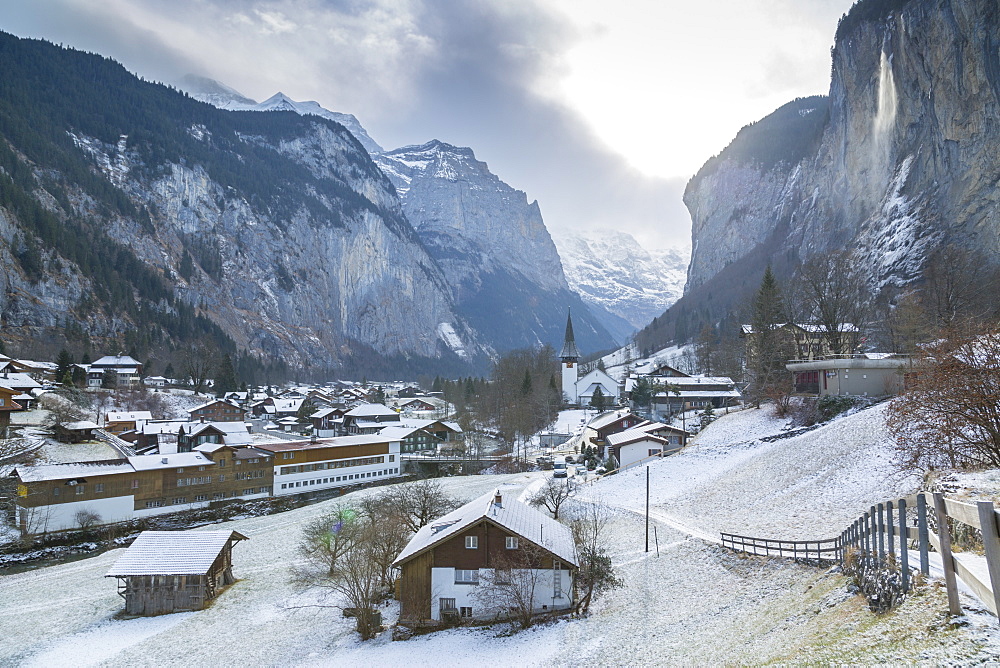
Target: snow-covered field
[(687, 601)]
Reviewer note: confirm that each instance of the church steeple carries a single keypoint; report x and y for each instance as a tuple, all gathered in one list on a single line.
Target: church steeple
[(569, 352)]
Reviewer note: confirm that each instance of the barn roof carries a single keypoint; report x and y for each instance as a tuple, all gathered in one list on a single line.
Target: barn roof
[(172, 553)]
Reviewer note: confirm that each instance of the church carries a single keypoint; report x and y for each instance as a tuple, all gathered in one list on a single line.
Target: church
[(580, 391)]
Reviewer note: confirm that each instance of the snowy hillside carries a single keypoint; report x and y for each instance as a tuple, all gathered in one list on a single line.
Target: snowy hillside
[(612, 270), (685, 601)]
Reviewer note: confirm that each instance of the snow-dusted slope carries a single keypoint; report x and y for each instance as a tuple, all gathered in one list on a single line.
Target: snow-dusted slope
[(224, 97), (612, 270)]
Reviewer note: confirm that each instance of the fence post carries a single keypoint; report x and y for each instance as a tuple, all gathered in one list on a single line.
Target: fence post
[(904, 546), (889, 526), (991, 544), (881, 531), (874, 529), (922, 539), (944, 536)]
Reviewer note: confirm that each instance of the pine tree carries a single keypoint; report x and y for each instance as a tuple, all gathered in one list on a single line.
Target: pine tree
[(768, 349), (64, 365), (225, 377), (598, 401)]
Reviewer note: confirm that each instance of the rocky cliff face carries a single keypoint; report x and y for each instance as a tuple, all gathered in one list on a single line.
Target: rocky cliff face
[(904, 159), (277, 228), (492, 245)]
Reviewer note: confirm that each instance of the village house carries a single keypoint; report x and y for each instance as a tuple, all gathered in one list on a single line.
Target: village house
[(368, 419), (218, 410), (174, 571), (597, 430), (119, 422), (488, 538), (314, 465), (808, 341), (194, 434), (328, 422), (155, 381), (644, 441), (863, 375), (127, 371), (7, 405)]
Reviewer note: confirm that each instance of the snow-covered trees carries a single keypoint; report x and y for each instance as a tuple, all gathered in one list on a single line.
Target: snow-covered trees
[(596, 574)]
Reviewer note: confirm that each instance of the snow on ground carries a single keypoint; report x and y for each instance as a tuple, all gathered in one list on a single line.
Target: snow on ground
[(686, 601), (73, 604), (806, 487)]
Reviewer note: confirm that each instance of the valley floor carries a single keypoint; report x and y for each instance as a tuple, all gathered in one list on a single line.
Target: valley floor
[(690, 602)]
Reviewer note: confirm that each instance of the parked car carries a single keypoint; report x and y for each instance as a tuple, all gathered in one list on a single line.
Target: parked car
[(559, 469)]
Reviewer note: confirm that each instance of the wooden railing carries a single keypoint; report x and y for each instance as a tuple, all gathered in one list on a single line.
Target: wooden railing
[(820, 550), (899, 527)]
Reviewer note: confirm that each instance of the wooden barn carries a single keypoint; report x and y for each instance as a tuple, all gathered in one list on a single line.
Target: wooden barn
[(174, 571)]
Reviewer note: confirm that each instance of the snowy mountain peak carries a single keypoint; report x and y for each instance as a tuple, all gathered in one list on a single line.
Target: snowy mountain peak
[(609, 268), (434, 159), (224, 97)]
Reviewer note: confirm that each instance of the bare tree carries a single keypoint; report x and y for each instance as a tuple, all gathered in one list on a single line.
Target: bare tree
[(959, 285), (61, 410), (340, 553), (198, 365), (511, 588), (420, 502), (949, 414), (596, 574), (832, 292), (553, 494)]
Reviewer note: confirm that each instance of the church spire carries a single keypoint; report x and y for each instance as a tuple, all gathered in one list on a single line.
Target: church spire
[(569, 351)]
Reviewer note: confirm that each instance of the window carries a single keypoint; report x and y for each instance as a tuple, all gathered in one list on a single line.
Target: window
[(447, 604), (218, 495), (201, 497), (392, 458), (99, 487), (222, 463), (249, 490), (466, 577), (180, 470), (154, 504), (471, 542), (79, 490), (501, 576), (56, 491), (288, 455), (179, 500), (201, 468), (284, 486), (135, 484), (466, 611), (511, 542)]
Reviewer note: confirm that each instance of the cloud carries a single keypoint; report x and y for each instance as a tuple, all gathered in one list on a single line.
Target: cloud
[(464, 71)]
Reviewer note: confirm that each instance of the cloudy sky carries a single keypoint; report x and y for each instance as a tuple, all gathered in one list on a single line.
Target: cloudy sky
[(600, 111)]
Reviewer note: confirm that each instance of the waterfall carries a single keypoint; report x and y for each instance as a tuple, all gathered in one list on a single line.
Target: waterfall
[(885, 115)]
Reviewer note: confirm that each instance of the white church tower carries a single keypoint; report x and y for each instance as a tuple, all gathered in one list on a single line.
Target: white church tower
[(569, 355)]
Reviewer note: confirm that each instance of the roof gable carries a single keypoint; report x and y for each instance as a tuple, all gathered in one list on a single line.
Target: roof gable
[(173, 553)]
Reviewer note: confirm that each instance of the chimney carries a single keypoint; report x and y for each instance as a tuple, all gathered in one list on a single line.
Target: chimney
[(498, 499)]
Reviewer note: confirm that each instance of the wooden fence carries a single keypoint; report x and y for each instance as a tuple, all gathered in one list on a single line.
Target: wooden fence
[(899, 528)]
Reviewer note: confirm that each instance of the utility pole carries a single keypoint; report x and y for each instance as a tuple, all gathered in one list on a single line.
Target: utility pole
[(647, 507)]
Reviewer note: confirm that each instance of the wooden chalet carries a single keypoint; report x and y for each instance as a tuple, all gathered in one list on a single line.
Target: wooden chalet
[(75, 432), (442, 564), (216, 411), (7, 405), (119, 422), (174, 571)]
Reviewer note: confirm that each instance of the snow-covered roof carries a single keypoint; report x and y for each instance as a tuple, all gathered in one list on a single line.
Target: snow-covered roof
[(633, 436), (516, 517), (173, 553), (80, 425), (18, 381), (807, 327), (370, 410), (337, 441), (178, 460), (163, 427), (694, 392), (605, 419), (212, 403), (72, 470), (128, 417), (323, 412), (116, 361), (395, 432)]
